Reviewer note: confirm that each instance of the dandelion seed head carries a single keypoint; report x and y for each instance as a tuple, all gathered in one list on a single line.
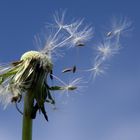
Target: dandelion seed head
[(45, 60), (32, 69)]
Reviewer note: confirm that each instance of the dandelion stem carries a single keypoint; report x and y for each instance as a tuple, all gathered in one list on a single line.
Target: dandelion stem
[(27, 120)]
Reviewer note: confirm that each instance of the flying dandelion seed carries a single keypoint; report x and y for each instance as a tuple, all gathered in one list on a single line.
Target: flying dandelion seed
[(74, 85), (96, 70), (81, 35), (119, 27), (106, 50)]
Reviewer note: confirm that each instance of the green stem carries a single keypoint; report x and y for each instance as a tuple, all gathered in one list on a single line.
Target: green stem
[(27, 120)]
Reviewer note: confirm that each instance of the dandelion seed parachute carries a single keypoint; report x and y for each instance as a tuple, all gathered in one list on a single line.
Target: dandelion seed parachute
[(119, 27)]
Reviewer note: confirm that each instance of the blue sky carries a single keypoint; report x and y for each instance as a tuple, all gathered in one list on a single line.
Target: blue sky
[(109, 108)]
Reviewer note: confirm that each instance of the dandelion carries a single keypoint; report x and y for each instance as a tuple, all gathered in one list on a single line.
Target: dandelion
[(28, 77)]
